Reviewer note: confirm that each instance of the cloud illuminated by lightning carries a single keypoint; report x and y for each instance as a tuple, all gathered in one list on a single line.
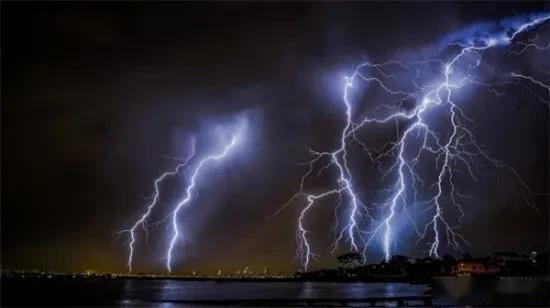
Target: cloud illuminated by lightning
[(453, 151)]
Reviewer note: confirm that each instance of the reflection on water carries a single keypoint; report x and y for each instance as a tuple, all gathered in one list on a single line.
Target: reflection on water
[(176, 290), (168, 293)]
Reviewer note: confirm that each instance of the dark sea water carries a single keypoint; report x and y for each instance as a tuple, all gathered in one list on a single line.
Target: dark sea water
[(171, 293)]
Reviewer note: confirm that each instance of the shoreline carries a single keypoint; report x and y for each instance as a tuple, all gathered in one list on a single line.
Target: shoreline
[(375, 279)]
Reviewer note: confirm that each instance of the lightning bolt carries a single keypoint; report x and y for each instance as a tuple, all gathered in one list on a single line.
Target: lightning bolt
[(190, 187), (451, 152), (357, 210), (154, 200), (188, 194), (534, 81)]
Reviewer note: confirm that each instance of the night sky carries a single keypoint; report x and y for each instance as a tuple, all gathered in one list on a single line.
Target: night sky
[(98, 99)]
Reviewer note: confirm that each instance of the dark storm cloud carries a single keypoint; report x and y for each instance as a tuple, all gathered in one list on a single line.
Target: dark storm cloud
[(96, 95)]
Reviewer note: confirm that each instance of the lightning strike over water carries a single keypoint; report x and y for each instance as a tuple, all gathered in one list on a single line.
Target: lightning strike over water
[(154, 200), (185, 201), (188, 194), (452, 149)]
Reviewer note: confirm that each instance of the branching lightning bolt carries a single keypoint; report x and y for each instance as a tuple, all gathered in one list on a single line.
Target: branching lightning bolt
[(154, 200), (188, 194), (451, 152), (190, 187)]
